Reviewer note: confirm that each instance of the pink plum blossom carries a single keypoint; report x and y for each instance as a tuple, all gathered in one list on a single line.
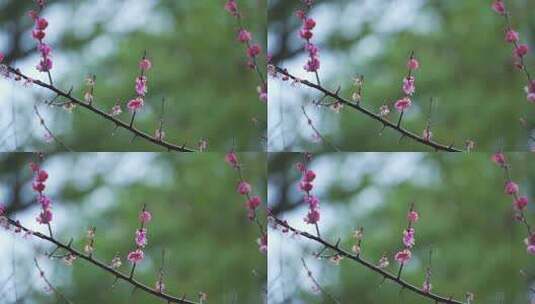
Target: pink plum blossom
[(141, 85), (511, 187), (309, 176), (403, 104), (521, 50), (313, 216), (427, 286), (244, 188), (141, 237), (135, 256), (232, 7), (254, 202), (232, 159), (244, 36), (403, 256), (408, 85), (253, 50), (427, 134), (145, 217), (521, 203), (145, 64), (135, 104), (413, 64), (41, 23), (499, 158), (45, 217), (263, 243), (408, 237), (499, 7), (511, 36)]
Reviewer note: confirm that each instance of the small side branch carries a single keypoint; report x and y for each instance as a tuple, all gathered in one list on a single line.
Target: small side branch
[(49, 285), (48, 131), (317, 284)]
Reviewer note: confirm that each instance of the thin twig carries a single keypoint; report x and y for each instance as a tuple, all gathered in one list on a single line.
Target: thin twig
[(311, 124), (316, 284), (58, 294), (49, 132)]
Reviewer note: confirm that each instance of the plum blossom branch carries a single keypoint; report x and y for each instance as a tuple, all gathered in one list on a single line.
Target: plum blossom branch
[(135, 257), (520, 50), (46, 64), (72, 252), (253, 201), (379, 117), (402, 256), (108, 116), (520, 203), (253, 49), (402, 105), (379, 269)]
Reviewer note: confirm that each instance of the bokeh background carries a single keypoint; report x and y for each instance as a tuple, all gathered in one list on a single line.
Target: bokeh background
[(466, 66), (198, 219), (198, 66), (465, 219)]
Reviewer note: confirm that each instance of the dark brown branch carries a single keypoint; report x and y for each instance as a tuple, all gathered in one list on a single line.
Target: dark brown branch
[(357, 258), (89, 258), (386, 123), (119, 123)]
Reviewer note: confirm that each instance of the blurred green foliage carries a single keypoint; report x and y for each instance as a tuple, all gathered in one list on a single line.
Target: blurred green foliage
[(466, 66), (198, 67), (465, 218), (198, 219)]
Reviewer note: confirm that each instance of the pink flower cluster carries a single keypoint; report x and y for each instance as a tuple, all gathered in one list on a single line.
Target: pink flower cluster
[(141, 86), (244, 36), (306, 186), (38, 185), (409, 86), (313, 63), (38, 33), (244, 188), (253, 201), (530, 91), (140, 238), (263, 243), (519, 202), (253, 49), (404, 256), (520, 50)]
